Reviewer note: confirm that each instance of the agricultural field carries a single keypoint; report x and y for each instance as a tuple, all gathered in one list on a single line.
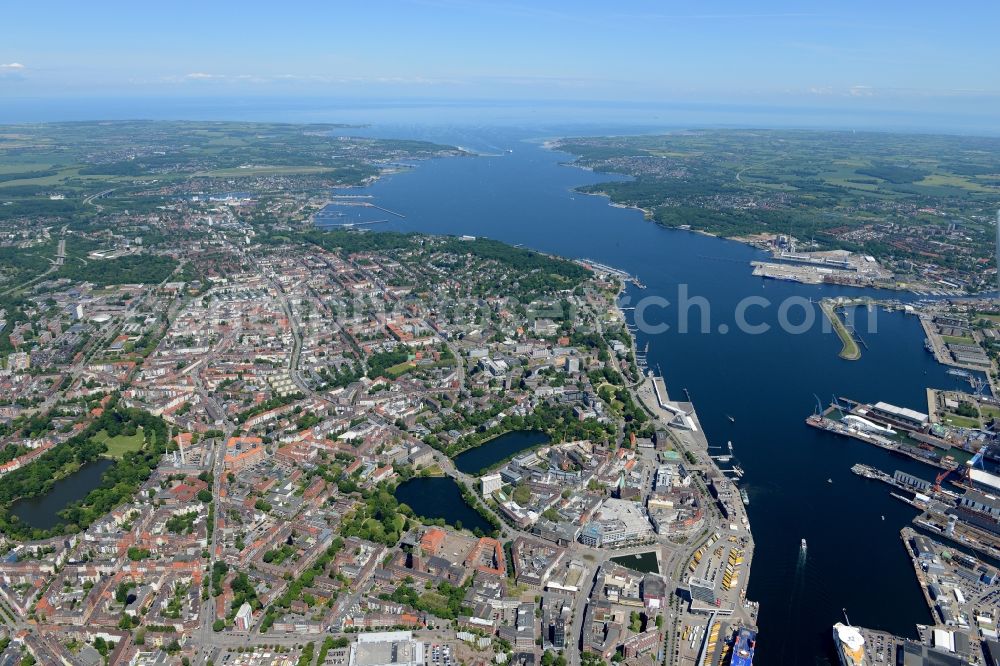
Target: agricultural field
[(70, 171)]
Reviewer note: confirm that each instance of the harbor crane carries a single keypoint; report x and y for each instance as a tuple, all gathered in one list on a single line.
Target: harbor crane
[(836, 403), (975, 460)]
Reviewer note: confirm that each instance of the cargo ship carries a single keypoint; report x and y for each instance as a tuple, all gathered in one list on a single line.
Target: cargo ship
[(743, 647), (850, 645)]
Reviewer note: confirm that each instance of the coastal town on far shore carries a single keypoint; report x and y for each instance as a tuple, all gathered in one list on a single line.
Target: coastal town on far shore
[(231, 436)]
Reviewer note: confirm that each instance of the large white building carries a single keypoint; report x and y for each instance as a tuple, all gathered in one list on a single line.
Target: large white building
[(491, 483), (387, 648), (244, 617), (617, 523)]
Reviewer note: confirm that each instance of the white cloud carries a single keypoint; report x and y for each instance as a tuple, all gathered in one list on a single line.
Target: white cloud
[(202, 75), (11, 66)]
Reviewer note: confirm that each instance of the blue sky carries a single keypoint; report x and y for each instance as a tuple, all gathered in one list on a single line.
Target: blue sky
[(909, 55)]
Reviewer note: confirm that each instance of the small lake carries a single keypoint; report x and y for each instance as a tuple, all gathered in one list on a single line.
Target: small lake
[(439, 497), (42, 512), (496, 450), (644, 562)]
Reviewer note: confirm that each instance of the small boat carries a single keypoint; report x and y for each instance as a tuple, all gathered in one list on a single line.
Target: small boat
[(744, 497), (883, 517), (731, 419), (802, 547), (829, 480)]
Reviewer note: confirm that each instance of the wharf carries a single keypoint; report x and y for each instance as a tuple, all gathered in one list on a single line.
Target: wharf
[(956, 587), (731, 528), (851, 342), (678, 414), (917, 486), (604, 268), (728, 527), (821, 422), (789, 273), (963, 534)]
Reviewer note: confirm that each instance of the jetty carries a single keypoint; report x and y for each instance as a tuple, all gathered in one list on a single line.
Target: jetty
[(604, 268), (851, 350)]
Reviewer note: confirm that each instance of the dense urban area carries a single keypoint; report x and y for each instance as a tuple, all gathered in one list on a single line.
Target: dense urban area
[(228, 436)]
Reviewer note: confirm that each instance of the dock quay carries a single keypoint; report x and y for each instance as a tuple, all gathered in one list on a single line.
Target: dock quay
[(959, 532), (786, 272), (676, 414), (722, 558), (387, 210), (360, 201), (850, 340), (604, 268), (897, 429), (922, 489), (959, 591), (921, 455), (912, 501), (718, 559)]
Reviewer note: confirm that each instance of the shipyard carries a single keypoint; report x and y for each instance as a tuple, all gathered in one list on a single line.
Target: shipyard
[(900, 430), (953, 540)]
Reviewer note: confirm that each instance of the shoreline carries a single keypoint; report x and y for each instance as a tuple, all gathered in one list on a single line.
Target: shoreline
[(748, 610), (398, 168), (489, 468), (743, 240), (850, 349)]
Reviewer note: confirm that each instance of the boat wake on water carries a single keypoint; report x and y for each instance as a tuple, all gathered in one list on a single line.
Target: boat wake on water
[(798, 586)]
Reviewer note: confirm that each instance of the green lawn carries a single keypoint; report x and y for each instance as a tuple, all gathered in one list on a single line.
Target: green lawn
[(850, 351), (400, 369), (119, 445), (989, 412), (960, 421), (955, 340)]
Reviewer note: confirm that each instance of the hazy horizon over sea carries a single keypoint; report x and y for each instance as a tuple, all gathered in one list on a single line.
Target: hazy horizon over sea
[(623, 116)]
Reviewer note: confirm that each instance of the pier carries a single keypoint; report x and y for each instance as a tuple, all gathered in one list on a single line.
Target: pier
[(604, 268), (351, 225), (359, 201), (825, 421), (678, 417), (386, 210), (850, 351)]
